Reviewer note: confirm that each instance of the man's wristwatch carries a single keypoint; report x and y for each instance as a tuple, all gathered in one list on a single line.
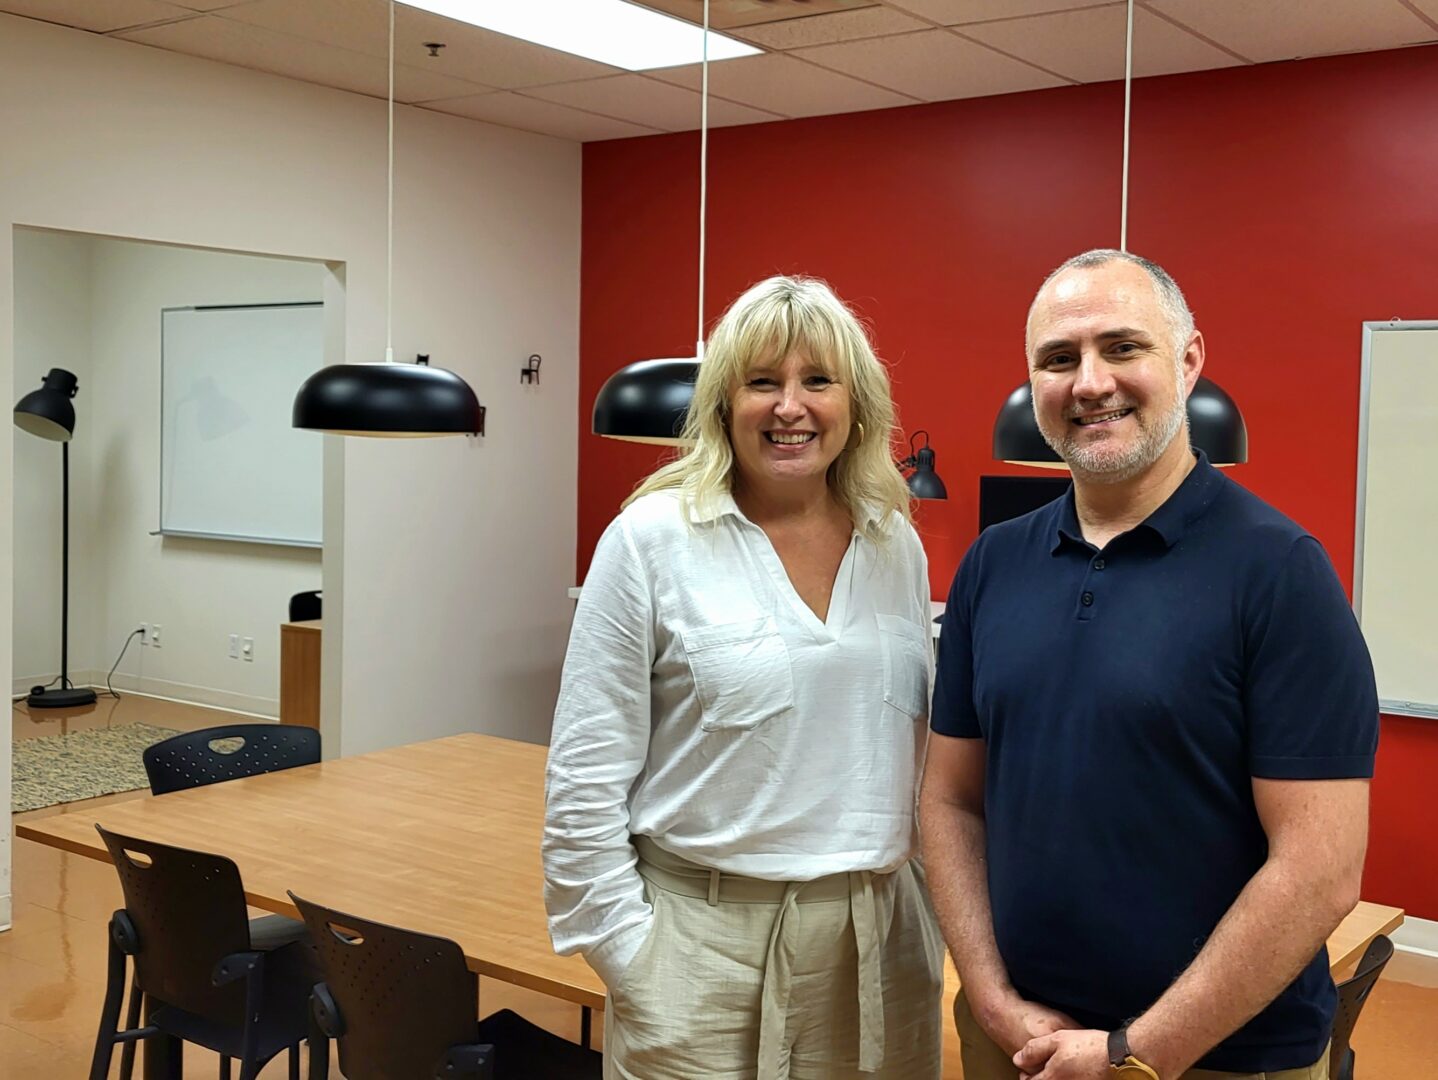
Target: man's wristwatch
[(1122, 1061)]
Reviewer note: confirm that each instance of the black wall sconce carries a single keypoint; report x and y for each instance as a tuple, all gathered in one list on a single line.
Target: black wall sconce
[(923, 482), (530, 372)]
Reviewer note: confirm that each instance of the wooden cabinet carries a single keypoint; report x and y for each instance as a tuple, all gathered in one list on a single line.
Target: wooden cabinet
[(300, 673)]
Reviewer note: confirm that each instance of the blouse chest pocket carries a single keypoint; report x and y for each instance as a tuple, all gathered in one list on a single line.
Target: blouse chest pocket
[(742, 674), (906, 665)]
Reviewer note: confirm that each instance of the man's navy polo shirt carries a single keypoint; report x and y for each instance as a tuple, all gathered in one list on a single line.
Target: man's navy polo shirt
[(1127, 698)]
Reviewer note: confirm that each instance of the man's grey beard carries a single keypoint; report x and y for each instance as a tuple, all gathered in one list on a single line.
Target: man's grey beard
[(1097, 463)]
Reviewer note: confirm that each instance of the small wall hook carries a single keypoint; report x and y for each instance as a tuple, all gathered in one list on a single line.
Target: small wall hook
[(530, 372)]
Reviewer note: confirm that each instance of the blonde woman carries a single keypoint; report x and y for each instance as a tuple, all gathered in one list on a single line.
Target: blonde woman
[(730, 796)]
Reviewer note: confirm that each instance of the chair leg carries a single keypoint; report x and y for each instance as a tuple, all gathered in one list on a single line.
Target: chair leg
[(224, 1067), (318, 1045), (295, 1062), (164, 1054), (109, 1014), (132, 1021)]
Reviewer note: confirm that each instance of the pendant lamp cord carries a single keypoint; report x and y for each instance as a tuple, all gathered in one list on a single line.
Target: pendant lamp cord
[(389, 210), (703, 174), (1127, 99)]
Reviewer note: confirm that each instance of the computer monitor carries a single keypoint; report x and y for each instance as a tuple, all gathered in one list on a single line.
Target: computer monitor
[(1005, 497)]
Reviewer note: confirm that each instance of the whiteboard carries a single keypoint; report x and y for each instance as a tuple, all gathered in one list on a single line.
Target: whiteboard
[(231, 466), (1395, 584)]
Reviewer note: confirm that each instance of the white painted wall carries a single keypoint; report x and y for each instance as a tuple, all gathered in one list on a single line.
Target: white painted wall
[(199, 591), (453, 559)]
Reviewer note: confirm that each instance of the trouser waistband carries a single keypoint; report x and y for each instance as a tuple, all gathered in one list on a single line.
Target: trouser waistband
[(678, 875)]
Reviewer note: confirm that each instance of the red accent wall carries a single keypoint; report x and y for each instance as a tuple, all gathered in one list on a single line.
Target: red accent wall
[(1292, 201)]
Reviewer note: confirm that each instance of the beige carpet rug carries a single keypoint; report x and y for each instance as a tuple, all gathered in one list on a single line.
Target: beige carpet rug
[(64, 768)]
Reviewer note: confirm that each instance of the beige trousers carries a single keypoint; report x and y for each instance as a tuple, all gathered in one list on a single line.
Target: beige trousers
[(741, 979), (984, 1059)]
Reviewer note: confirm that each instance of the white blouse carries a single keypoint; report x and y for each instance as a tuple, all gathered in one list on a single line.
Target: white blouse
[(704, 704)]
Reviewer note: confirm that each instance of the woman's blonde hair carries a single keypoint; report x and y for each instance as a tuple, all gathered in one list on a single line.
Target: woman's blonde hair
[(777, 317)]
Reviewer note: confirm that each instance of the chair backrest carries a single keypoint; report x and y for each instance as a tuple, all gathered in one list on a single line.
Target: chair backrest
[(404, 998), (1352, 993), (305, 606), (196, 758), (188, 909)]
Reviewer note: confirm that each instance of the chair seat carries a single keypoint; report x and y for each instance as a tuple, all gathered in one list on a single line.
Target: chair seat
[(270, 932), (525, 1051)]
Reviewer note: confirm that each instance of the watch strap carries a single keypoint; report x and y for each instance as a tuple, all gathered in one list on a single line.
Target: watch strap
[(1118, 1052)]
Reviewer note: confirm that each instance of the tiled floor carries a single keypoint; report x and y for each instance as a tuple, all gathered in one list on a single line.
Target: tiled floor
[(52, 964)]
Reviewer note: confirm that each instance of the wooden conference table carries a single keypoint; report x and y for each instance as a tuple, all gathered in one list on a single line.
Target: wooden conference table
[(440, 836)]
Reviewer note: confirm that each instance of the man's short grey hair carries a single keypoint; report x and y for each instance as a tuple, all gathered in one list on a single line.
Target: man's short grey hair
[(1170, 296)]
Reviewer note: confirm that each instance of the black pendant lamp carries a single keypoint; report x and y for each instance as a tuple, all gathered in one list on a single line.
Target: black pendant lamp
[(923, 481), (648, 401), (388, 399), (1215, 426), (1215, 423), (48, 413)]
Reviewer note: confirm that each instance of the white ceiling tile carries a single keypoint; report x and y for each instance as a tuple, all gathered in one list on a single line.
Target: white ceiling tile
[(826, 29), (229, 42), (729, 14), (545, 117), (97, 17), (1428, 8), (646, 101), (209, 5), (1285, 29), (470, 53), (934, 65), (1088, 45), (953, 12), (781, 84)]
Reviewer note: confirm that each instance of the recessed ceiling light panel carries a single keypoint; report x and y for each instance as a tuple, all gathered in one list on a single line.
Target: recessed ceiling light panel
[(612, 32)]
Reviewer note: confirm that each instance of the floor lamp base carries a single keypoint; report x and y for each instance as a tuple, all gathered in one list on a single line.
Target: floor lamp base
[(69, 698)]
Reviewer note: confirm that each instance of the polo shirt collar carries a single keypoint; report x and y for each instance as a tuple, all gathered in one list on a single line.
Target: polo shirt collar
[(1169, 522)]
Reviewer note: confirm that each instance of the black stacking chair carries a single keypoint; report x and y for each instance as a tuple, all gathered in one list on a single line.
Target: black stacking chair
[(403, 1006), (205, 973), (188, 760), (305, 606), (1352, 993)]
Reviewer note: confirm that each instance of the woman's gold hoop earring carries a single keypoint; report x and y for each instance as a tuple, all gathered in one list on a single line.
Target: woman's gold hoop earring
[(853, 443)]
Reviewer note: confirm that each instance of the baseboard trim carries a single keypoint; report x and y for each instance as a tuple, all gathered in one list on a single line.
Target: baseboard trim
[(5, 906), (1417, 936), (165, 690)]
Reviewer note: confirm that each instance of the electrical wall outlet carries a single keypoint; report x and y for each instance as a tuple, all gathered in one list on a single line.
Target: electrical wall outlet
[(234, 646), (247, 648), (155, 634), (144, 633)]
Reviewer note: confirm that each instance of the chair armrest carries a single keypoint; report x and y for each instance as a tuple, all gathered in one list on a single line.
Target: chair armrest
[(476, 1061), (240, 965)]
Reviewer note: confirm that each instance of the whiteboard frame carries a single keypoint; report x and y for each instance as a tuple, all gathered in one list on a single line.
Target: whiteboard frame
[(1392, 706), (160, 529)]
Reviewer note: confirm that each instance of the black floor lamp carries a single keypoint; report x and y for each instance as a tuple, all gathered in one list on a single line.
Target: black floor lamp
[(47, 412)]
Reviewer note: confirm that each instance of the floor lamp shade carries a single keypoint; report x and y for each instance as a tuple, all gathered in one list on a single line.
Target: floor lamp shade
[(49, 413), (647, 402), (1215, 426), (394, 400)]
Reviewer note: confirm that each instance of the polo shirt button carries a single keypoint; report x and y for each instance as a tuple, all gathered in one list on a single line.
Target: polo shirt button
[(1087, 599), (1098, 564)]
